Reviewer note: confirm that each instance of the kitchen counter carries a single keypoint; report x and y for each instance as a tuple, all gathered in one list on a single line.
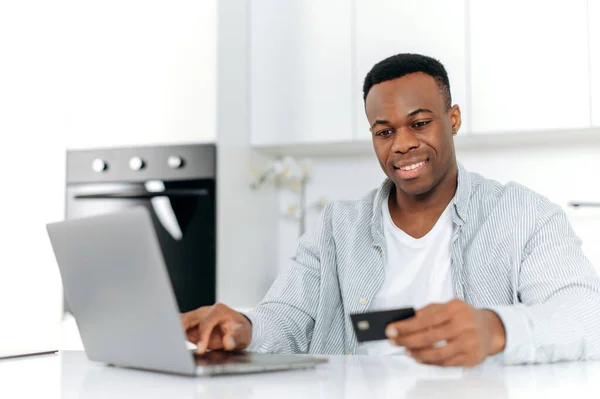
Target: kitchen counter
[(71, 375)]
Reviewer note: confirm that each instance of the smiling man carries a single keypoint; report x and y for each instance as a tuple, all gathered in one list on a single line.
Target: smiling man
[(492, 269)]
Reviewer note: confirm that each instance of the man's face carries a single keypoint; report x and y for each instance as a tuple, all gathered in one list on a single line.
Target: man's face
[(412, 131)]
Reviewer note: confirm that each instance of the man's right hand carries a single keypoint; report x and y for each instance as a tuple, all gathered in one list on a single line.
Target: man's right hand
[(217, 327)]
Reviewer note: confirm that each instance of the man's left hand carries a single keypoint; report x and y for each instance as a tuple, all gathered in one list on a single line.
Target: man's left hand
[(470, 334)]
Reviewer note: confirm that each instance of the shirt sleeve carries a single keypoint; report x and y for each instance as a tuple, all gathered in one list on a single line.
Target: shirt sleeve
[(558, 317), (283, 321)]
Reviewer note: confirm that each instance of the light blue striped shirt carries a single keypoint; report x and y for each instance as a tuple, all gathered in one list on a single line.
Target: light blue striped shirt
[(513, 252)]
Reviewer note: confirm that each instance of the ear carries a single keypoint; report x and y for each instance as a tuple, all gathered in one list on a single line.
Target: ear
[(455, 118)]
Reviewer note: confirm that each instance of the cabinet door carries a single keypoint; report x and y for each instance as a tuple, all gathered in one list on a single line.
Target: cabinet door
[(594, 27), (529, 65), (586, 224), (142, 72), (301, 66), (431, 27)]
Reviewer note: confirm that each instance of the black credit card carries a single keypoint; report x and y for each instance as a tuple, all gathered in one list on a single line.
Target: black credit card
[(370, 326)]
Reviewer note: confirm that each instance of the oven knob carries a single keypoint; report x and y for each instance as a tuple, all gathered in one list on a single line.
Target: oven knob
[(136, 163), (99, 165), (175, 162)]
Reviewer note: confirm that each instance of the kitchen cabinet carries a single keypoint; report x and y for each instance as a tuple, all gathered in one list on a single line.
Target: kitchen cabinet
[(594, 31), (431, 27), (528, 65), (141, 72), (301, 71)]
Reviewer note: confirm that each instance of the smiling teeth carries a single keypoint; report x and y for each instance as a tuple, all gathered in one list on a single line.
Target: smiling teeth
[(413, 166)]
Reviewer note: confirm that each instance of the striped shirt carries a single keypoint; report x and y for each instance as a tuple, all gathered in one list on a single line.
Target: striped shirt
[(513, 252)]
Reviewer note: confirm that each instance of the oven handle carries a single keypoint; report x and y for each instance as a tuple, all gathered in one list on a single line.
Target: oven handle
[(172, 193)]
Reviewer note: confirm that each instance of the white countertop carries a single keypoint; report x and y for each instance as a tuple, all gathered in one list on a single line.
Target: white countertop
[(71, 375)]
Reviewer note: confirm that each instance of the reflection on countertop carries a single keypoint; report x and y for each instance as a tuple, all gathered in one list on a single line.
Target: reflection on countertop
[(70, 375), (343, 377)]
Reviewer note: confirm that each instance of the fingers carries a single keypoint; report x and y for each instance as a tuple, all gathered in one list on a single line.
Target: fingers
[(439, 354), (461, 328), (205, 330), (231, 337), (192, 318), (192, 335), (429, 316), (219, 330), (191, 322), (426, 338), (431, 324), (188, 319), (216, 339), (217, 327), (228, 342)]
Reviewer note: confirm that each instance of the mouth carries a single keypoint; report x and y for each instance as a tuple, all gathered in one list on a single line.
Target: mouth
[(411, 171)]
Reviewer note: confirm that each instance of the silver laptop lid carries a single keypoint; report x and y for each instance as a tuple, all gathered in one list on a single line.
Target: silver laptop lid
[(116, 282)]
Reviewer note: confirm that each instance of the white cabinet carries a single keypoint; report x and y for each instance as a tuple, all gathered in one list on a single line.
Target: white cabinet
[(141, 72), (529, 65), (594, 27), (301, 71), (431, 27), (586, 224)]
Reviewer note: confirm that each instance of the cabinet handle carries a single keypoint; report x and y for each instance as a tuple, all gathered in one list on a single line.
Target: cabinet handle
[(578, 204)]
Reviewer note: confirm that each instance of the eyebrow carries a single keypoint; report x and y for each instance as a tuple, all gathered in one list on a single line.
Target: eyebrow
[(418, 111), (412, 113), (380, 122)]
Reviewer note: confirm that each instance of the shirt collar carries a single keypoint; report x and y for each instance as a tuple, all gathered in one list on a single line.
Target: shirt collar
[(460, 203)]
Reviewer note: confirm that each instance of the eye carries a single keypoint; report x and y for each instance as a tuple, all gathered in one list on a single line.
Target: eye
[(420, 124), (384, 133)]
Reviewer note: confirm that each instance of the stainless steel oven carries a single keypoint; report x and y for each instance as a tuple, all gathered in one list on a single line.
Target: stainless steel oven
[(177, 184)]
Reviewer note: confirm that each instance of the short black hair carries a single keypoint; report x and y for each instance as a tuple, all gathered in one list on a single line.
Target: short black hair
[(402, 64)]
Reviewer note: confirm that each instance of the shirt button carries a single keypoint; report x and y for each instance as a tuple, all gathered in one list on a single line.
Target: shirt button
[(382, 252), (349, 353), (362, 301)]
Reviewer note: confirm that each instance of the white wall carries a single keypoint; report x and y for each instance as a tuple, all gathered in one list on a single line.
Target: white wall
[(562, 172), (247, 249), (31, 171), (39, 116), (141, 72)]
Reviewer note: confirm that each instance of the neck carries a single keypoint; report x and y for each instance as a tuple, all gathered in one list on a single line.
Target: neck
[(435, 200)]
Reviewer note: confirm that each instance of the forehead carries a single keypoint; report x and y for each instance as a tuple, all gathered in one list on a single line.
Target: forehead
[(403, 95)]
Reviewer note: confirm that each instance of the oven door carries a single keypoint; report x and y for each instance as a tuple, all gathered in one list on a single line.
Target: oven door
[(184, 217)]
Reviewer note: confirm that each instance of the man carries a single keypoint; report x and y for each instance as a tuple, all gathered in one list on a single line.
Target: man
[(492, 269)]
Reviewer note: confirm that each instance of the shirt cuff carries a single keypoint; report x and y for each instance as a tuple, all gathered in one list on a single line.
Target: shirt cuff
[(257, 340), (519, 348)]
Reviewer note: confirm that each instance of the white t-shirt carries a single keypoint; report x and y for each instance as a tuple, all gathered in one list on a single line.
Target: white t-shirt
[(417, 272)]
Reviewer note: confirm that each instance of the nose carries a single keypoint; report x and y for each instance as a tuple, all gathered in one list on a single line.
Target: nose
[(404, 141)]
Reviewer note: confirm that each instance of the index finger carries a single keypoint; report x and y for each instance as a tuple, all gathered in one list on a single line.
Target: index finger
[(428, 317), (189, 319), (205, 330), (192, 318)]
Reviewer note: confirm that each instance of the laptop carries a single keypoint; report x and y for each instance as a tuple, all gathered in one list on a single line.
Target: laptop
[(117, 285)]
